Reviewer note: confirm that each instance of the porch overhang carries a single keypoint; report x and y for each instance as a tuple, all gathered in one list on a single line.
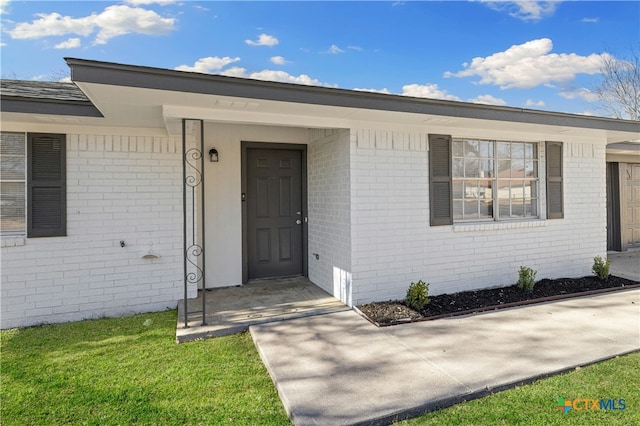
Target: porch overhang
[(137, 96)]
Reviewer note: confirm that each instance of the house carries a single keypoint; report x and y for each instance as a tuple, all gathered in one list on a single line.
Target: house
[(132, 187)]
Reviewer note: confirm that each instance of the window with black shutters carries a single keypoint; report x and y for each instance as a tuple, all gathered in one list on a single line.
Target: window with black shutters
[(473, 180), (46, 185)]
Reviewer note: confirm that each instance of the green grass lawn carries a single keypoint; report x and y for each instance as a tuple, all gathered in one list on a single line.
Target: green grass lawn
[(130, 371)]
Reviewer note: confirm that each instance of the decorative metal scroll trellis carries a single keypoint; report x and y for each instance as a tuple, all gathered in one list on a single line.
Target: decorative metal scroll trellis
[(193, 211)]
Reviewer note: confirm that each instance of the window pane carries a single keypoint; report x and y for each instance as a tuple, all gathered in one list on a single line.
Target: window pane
[(471, 167), (471, 209), (12, 167), (517, 189), (12, 144), (505, 209), (517, 208), (486, 168), (533, 188), (504, 168), (486, 149), (457, 209), (12, 156), (471, 189), (504, 150), (458, 189), (517, 168), (531, 151), (486, 209), (458, 167), (458, 148), (531, 208), (530, 168), (12, 211), (471, 148), (517, 150)]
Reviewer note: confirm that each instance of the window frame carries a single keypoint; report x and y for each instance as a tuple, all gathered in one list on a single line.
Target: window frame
[(489, 172), (440, 166)]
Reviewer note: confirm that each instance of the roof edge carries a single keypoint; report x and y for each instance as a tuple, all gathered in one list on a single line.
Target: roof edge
[(111, 73)]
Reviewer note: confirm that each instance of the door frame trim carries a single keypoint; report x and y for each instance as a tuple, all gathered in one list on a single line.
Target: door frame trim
[(245, 146)]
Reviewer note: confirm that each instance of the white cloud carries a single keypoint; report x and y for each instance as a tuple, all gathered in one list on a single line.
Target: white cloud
[(356, 48), (215, 65), (284, 77), (278, 60), (431, 91), (119, 20), (209, 64), (235, 72), (581, 93), (385, 90), (146, 2), (263, 40), (53, 24), (528, 65), (488, 100), (333, 49), (4, 7), (525, 10), (113, 21), (72, 43), (532, 103), (591, 20)]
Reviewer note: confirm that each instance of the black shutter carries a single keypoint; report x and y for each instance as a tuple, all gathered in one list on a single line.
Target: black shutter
[(555, 204), (46, 185), (440, 196)]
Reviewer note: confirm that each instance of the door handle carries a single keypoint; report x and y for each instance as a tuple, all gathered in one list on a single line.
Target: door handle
[(298, 222)]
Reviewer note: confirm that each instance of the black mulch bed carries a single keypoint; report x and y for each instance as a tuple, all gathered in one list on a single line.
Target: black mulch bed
[(444, 305)]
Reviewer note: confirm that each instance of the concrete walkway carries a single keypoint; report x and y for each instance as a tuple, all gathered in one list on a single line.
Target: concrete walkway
[(625, 264), (338, 369)]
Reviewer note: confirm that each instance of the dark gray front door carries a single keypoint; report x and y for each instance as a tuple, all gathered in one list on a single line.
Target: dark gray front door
[(274, 212)]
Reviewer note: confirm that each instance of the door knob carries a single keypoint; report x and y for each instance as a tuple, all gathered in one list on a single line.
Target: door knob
[(298, 222)]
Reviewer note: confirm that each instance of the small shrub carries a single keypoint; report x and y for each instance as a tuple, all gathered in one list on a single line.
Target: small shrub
[(601, 267), (417, 295), (526, 278)]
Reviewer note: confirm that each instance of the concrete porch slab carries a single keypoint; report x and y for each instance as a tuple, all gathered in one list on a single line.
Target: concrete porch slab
[(231, 310)]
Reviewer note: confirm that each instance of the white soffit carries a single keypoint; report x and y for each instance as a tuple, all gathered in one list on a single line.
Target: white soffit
[(152, 108)]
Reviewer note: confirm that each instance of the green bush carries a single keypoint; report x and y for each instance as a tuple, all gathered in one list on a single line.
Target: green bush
[(526, 278), (601, 267), (417, 295)]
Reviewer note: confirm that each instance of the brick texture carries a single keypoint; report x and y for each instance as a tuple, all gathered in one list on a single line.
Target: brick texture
[(118, 188)]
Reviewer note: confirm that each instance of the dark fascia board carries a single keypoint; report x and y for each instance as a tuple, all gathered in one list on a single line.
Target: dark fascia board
[(89, 71), (28, 105)]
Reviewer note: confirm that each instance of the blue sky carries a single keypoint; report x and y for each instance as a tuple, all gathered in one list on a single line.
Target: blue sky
[(530, 54)]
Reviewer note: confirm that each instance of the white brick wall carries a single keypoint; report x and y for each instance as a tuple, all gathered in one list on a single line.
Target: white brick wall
[(329, 204), (393, 244), (118, 188)]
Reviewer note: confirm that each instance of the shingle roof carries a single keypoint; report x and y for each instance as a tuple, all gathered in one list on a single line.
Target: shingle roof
[(53, 90), (45, 97)]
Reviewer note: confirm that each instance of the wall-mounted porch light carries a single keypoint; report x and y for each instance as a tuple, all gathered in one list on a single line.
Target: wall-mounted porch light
[(213, 155)]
